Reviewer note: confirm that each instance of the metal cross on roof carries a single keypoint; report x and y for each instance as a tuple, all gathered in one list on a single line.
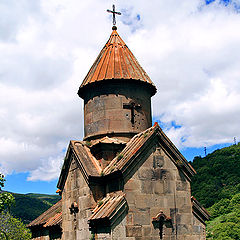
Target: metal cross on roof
[(114, 14)]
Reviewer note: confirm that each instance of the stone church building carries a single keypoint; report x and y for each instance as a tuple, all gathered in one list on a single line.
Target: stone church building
[(125, 180)]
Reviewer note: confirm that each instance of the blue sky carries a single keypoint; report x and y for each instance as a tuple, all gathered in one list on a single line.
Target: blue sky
[(190, 50)]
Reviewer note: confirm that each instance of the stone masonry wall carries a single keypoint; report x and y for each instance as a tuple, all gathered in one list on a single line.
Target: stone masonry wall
[(157, 185), (105, 113), (75, 227), (199, 229)]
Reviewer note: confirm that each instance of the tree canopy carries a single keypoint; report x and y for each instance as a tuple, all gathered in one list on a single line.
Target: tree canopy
[(10, 227), (6, 199), (217, 187)]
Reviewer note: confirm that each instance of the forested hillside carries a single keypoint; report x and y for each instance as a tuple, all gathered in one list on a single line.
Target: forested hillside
[(30, 206), (217, 187)]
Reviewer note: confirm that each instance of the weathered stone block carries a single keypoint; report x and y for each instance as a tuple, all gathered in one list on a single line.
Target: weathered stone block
[(149, 162), (197, 229), (85, 202), (145, 173), (132, 185), (185, 209), (146, 187), (158, 187), (113, 114), (141, 217), (98, 115), (134, 231), (146, 231), (158, 161), (182, 229), (142, 201), (181, 186), (113, 102), (131, 196), (157, 201), (88, 118)]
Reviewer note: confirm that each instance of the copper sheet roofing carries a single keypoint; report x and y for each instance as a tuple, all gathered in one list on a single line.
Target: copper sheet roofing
[(132, 147), (108, 206), (53, 216), (83, 154), (55, 220), (116, 61), (79, 151), (137, 144)]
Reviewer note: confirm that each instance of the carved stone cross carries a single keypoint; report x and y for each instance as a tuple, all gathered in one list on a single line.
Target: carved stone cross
[(132, 106), (74, 208), (160, 220), (114, 14)]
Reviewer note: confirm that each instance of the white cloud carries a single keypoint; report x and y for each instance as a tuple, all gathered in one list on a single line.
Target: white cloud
[(190, 50), (48, 169)]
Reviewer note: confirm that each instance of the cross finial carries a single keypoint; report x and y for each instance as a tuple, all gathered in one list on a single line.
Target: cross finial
[(114, 16)]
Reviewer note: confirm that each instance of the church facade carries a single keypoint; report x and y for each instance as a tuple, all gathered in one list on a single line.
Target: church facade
[(125, 180)]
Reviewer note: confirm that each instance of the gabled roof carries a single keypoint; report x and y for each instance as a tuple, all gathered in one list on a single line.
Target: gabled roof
[(116, 61), (51, 217), (199, 211), (137, 144), (125, 160), (87, 163), (108, 210)]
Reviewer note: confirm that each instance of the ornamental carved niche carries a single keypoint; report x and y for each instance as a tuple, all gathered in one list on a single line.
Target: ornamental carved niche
[(161, 220)]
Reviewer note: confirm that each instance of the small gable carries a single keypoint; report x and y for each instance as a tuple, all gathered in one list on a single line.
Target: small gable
[(85, 161), (108, 211), (137, 148), (199, 211)]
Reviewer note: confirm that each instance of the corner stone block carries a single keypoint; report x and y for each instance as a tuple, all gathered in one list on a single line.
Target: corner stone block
[(132, 184), (131, 196)]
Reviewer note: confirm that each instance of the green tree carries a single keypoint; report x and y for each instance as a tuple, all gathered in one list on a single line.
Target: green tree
[(10, 227), (226, 226), (13, 228), (6, 199)]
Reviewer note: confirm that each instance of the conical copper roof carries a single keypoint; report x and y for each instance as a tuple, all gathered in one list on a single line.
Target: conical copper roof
[(116, 61)]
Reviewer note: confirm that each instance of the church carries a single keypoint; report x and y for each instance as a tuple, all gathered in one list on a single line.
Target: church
[(125, 180)]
